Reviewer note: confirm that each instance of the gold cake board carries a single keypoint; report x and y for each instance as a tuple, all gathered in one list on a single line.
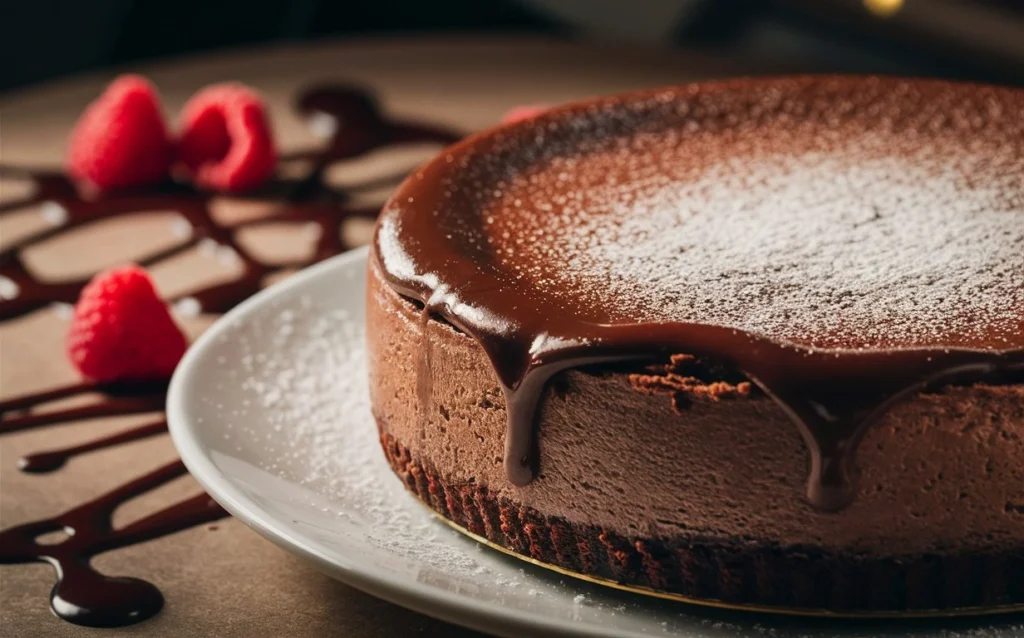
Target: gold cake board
[(717, 604)]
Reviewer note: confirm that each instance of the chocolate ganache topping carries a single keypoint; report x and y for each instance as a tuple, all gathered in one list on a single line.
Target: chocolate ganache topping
[(842, 242)]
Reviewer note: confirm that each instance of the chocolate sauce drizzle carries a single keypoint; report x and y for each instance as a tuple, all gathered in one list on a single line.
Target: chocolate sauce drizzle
[(119, 399), (82, 595), (353, 125), (51, 460), (358, 127), (832, 395)]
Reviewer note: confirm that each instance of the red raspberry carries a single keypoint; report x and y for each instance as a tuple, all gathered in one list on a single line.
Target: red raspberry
[(121, 140), (523, 112), (122, 331), (226, 142)]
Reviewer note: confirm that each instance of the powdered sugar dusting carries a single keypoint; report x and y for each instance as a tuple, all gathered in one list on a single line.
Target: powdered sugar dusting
[(834, 219), (880, 251)]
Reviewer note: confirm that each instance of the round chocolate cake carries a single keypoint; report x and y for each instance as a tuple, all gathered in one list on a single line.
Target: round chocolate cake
[(758, 342)]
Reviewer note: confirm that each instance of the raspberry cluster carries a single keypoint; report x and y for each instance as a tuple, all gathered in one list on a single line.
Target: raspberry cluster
[(121, 140)]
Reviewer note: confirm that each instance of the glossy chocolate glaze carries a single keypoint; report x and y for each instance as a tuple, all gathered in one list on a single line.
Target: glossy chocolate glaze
[(433, 244), (351, 123)]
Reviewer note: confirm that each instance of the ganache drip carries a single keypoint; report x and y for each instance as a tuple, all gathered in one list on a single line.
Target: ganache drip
[(445, 239)]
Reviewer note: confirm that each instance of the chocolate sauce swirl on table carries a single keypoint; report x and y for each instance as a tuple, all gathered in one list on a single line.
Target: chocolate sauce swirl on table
[(82, 595), (355, 126), (479, 236)]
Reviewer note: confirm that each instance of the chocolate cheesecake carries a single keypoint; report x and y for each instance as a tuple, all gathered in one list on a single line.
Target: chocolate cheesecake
[(758, 342)]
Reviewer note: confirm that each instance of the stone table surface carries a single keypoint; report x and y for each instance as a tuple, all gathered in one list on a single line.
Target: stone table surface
[(223, 579)]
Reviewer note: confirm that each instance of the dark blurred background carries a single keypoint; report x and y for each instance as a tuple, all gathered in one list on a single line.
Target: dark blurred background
[(966, 39)]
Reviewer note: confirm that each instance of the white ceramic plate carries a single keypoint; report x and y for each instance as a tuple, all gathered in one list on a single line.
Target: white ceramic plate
[(269, 412)]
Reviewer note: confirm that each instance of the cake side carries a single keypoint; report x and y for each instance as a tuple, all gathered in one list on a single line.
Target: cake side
[(941, 469), (938, 511)]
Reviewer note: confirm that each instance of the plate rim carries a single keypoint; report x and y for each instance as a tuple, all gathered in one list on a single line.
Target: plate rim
[(431, 601)]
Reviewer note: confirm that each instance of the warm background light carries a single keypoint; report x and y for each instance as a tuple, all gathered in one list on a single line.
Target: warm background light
[(883, 8)]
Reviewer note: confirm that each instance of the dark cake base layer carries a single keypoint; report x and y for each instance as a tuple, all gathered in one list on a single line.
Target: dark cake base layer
[(728, 571)]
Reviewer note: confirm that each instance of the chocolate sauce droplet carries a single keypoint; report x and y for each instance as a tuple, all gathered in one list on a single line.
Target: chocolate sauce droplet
[(84, 597), (42, 462)]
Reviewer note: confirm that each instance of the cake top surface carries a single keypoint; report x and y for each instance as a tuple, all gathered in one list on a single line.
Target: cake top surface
[(810, 212)]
